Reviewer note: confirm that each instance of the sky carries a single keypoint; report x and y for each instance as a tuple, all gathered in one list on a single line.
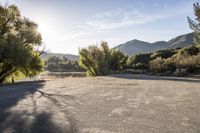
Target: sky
[(67, 25)]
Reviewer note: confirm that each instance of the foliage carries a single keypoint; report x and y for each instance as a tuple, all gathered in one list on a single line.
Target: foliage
[(139, 61), (195, 25), (190, 63), (189, 51), (167, 61), (164, 54), (101, 60), (57, 64), (118, 60), (95, 60), (19, 41), (160, 65)]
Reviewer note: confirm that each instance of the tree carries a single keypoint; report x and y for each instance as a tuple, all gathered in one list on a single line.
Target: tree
[(95, 59), (57, 64), (139, 61), (19, 43), (118, 60), (195, 25), (101, 60), (164, 54)]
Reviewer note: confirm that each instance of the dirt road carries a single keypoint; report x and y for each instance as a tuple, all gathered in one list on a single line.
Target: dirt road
[(114, 104)]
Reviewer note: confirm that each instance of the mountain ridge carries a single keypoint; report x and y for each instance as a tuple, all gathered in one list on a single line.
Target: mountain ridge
[(136, 46)]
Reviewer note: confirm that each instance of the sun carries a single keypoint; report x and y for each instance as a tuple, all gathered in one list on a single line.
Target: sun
[(42, 28), (46, 27)]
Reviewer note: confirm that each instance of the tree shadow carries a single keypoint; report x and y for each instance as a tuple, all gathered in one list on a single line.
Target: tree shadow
[(40, 123), (44, 124), (58, 100), (11, 94), (150, 77), (36, 121)]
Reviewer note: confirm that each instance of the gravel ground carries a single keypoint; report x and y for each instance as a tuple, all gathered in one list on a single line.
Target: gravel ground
[(114, 104)]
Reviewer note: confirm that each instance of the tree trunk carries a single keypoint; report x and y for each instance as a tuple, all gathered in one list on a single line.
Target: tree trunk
[(5, 73), (2, 79), (13, 81)]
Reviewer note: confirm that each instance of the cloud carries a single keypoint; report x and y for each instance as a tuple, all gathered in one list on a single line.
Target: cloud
[(104, 25), (135, 14), (106, 21), (117, 18), (120, 18)]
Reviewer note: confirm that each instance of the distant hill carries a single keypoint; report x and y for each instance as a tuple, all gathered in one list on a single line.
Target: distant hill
[(181, 41), (46, 56), (136, 46)]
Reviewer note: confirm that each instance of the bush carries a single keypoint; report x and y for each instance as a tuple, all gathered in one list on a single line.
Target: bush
[(140, 61), (57, 64), (118, 60), (101, 60), (190, 63), (164, 54), (189, 51), (162, 65)]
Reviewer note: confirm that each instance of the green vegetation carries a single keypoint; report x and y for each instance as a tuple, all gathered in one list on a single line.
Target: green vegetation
[(57, 64), (101, 60), (139, 61), (175, 62), (194, 25), (164, 54), (19, 43)]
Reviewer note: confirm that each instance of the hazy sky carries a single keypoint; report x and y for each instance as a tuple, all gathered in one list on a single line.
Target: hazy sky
[(67, 25)]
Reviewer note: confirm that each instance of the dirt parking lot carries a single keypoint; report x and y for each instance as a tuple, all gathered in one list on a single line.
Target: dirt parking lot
[(114, 104)]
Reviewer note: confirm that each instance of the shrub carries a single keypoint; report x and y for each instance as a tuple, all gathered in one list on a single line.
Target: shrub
[(160, 65), (190, 63), (101, 60), (118, 60), (139, 61), (164, 54), (189, 51), (57, 64)]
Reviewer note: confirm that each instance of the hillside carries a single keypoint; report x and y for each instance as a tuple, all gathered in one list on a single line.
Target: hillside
[(137, 46), (181, 41), (46, 56)]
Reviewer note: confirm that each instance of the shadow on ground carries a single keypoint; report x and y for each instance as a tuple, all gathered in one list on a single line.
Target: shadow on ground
[(193, 79), (24, 121), (11, 94)]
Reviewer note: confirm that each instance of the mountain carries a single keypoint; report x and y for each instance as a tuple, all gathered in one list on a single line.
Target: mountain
[(181, 41), (46, 56), (136, 46)]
